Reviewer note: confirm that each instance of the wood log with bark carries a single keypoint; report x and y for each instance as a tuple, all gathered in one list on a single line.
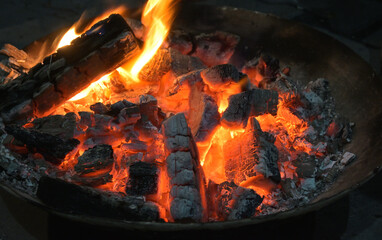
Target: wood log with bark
[(107, 45)]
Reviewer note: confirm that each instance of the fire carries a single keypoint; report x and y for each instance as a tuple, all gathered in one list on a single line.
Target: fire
[(157, 16), (69, 36)]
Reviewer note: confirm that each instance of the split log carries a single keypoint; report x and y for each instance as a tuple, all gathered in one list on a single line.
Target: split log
[(251, 154), (204, 116), (107, 45), (250, 103), (233, 202), (97, 158), (169, 60), (182, 169), (71, 198), (54, 149), (215, 48), (143, 179)]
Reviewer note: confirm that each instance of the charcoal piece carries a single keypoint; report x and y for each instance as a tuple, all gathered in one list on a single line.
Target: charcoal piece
[(178, 143), (129, 115), (107, 45), (234, 202), (148, 107), (54, 149), (86, 119), (203, 115), (250, 103), (92, 181), (289, 188), (306, 166), (181, 41), (71, 198), (166, 60), (96, 158), (117, 107), (179, 161), (347, 158), (175, 125), (18, 59), (134, 146), (220, 76), (64, 127), (99, 108), (246, 202), (143, 179), (215, 48), (286, 87), (184, 210), (320, 87), (250, 154)]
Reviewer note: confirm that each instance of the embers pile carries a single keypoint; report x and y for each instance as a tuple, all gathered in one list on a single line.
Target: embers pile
[(197, 139)]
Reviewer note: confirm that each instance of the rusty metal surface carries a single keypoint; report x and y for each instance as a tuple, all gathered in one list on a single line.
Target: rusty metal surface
[(311, 54)]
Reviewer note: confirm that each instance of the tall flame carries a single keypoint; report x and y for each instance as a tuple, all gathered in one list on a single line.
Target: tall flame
[(157, 16)]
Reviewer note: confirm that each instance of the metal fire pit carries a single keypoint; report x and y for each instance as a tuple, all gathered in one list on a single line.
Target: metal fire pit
[(310, 54)]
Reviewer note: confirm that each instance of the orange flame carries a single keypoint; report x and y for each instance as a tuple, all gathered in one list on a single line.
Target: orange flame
[(157, 16)]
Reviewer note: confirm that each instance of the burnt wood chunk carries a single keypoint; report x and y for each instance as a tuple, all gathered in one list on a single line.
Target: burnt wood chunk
[(182, 83), (93, 181), (94, 159), (215, 48), (180, 41), (71, 198), (234, 202), (143, 179), (148, 107), (220, 76), (166, 60), (61, 126), (204, 116), (107, 45), (250, 154), (53, 148), (250, 103), (182, 169)]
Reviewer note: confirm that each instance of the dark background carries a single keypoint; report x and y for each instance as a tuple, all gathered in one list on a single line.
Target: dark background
[(357, 23)]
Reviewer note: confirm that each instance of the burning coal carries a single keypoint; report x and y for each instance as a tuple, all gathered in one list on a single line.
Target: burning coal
[(168, 130)]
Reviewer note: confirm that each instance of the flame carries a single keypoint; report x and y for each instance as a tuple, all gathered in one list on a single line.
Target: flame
[(69, 36), (157, 16)]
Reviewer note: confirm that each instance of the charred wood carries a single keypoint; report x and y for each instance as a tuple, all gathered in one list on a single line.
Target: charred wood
[(94, 159), (70, 70), (250, 154), (166, 60), (143, 179), (250, 103), (53, 148), (71, 198)]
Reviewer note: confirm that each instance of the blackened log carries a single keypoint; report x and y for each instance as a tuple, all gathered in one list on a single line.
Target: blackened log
[(143, 179), (215, 48), (182, 169), (107, 45), (234, 202), (70, 198), (54, 149), (204, 116), (18, 59), (92, 181), (96, 158), (166, 60), (250, 103), (251, 154)]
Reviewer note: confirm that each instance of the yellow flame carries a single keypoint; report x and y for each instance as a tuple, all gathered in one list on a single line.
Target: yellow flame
[(157, 16), (100, 83), (69, 36)]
